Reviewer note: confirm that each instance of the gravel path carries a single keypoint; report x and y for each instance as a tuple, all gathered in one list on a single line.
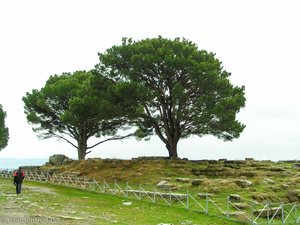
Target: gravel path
[(32, 207)]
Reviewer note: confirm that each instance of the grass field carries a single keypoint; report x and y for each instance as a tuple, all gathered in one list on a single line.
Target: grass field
[(51, 204)]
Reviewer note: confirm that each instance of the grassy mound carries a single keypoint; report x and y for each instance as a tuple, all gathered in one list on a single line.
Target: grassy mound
[(258, 181)]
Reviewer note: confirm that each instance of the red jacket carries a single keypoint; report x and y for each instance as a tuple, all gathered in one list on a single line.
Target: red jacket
[(19, 176)]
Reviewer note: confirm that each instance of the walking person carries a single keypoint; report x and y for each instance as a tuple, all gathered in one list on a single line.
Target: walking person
[(19, 176)]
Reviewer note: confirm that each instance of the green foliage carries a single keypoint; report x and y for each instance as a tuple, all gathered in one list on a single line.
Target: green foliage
[(181, 90), (76, 106), (4, 135)]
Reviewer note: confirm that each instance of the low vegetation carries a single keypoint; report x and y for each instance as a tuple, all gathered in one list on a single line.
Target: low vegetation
[(254, 181), (51, 204)]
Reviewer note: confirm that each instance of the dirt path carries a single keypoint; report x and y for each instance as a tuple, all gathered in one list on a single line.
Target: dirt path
[(40, 190), (32, 207)]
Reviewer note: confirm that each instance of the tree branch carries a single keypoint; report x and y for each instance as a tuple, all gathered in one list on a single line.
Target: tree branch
[(61, 137), (88, 152), (156, 125), (110, 139)]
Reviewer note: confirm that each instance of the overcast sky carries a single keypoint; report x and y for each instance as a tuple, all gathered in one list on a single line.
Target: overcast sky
[(257, 41)]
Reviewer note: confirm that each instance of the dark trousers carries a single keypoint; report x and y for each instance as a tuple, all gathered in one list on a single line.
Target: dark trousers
[(18, 187)]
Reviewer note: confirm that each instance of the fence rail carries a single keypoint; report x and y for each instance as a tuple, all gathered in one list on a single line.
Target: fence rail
[(255, 214)]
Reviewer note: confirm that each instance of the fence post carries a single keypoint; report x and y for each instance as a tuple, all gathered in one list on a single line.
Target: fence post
[(170, 195), (187, 200), (206, 204), (296, 216), (227, 207), (103, 186), (94, 185), (282, 211), (268, 213), (140, 192), (252, 215)]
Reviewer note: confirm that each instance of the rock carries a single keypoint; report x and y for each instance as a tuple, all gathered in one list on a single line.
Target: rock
[(237, 162), (296, 165), (187, 222), (151, 158), (33, 204), (162, 183), (197, 182), (59, 159), (204, 195), (197, 172), (127, 203), (234, 197), (289, 161), (71, 217), (166, 186), (243, 183), (240, 205), (72, 173), (248, 173), (293, 195), (249, 159), (180, 166), (277, 169), (237, 213), (264, 197), (166, 178), (214, 190), (222, 160), (173, 196), (182, 180), (205, 161), (214, 170), (268, 181), (268, 212)]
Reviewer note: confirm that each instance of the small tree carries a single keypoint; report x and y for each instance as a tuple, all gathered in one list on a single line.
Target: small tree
[(183, 91), (75, 106), (4, 135)]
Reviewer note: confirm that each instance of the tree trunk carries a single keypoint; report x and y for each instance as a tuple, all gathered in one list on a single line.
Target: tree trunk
[(172, 148), (82, 148)]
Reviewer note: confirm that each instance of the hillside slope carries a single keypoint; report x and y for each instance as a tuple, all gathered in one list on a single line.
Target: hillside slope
[(258, 181)]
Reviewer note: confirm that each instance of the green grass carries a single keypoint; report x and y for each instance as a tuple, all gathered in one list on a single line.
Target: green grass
[(97, 208), (219, 179)]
